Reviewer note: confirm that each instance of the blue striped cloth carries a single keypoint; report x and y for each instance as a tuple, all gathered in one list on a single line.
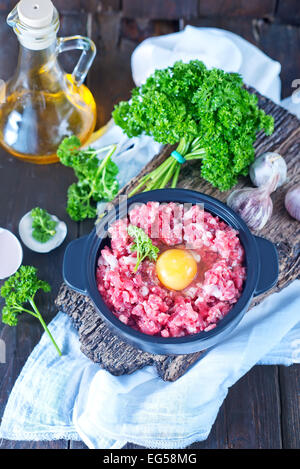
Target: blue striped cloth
[(72, 398)]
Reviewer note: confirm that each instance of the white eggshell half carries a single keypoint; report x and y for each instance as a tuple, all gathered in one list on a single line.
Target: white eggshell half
[(25, 231), (11, 253)]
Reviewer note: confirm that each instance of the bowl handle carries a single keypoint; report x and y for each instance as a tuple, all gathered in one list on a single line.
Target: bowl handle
[(73, 265), (269, 267)]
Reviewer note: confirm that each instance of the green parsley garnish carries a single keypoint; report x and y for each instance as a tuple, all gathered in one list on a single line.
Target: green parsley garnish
[(142, 245), (43, 226), (20, 289), (96, 178), (208, 113)]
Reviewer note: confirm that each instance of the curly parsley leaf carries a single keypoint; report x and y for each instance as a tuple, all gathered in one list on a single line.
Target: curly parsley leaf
[(97, 179), (19, 290), (43, 225), (142, 245)]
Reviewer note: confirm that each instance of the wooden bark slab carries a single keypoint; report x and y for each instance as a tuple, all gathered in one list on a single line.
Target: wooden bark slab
[(116, 356)]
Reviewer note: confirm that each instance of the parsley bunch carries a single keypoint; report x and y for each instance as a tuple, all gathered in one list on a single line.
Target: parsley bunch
[(43, 226), (142, 245), (208, 113), (19, 290), (96, 178)]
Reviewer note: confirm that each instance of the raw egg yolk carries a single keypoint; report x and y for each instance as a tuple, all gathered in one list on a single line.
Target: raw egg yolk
[(176, 268)]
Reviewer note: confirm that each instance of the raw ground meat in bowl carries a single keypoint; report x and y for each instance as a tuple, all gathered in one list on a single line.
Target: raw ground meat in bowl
[(140, 301), (236, 266)]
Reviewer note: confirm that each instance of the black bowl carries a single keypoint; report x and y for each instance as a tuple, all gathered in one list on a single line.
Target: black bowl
[(261, 262)]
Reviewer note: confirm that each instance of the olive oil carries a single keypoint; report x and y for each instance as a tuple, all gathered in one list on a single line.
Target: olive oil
[(32, 124), (43, 104)]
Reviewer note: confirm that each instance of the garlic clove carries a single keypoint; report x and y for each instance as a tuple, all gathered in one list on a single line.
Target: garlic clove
[(292, 201), (11, 253), (254, 204), (255, 209), (264, 166), (25, 231)]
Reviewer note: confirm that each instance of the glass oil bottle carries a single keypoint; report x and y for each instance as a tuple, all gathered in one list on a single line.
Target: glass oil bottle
[(41, 104)]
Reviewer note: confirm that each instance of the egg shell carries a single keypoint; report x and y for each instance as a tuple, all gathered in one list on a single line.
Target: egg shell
[(11, 253)]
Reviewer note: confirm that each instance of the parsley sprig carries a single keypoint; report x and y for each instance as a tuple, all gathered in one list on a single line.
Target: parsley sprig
[(208, 113), (19, 290), (43, 225), (142, 245), (96, 179)]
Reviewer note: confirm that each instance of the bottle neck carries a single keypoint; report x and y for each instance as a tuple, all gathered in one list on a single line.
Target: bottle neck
[(34, 38), (38, 70), (36, 60)]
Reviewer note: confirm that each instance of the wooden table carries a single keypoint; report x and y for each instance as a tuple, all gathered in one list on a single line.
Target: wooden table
[(262, 410)]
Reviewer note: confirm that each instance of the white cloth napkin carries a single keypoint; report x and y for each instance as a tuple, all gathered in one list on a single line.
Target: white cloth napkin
[(216, 48), (72, 398), (292, 104)]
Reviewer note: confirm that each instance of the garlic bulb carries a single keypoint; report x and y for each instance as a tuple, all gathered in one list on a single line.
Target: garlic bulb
[(254, 205), (292, 201), (264, 166)]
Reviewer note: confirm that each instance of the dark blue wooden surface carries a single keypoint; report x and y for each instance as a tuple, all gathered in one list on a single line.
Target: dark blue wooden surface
[(262, 409)]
